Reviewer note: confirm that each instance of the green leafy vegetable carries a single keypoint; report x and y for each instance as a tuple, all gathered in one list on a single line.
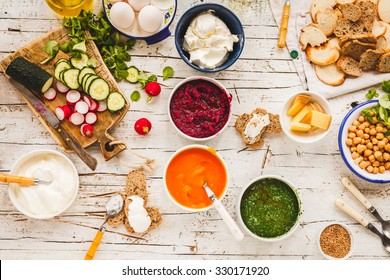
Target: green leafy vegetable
[(371, 94), (135, 96), (66, 47), (384, 101), (167, 72), (386, 86), (51, 48)]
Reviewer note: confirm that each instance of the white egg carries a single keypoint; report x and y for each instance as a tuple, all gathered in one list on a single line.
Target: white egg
[(138, 4), (150, 19), (115, 1), (122, 15)]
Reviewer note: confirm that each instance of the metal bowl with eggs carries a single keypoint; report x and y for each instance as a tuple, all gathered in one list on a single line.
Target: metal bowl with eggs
[(147, 20)]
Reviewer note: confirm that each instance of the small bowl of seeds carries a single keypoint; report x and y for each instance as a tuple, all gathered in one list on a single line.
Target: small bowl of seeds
[(336, 242)]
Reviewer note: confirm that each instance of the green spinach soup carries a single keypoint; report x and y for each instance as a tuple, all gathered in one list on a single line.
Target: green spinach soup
[(269, 208)]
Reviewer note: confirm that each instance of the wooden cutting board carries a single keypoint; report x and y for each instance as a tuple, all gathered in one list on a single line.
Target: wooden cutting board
[(34, 52)]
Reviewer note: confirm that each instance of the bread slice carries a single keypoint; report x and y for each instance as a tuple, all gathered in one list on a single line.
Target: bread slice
[(369, 59), (348, 28), (379, 28), (343, 2), (334, 43), (318, 5), (349, 66), (338, 13), (369, 39), (312, 35), (136, 185), (351, 12), (323, 55), (330, 74), (384, 10), (326, 20), (369, 10), (355, 49), (384, 41), (384, 63)]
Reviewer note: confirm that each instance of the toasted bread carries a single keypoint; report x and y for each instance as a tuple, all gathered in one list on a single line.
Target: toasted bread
[(384, 63), (312, 35), (348, 28), (351, 12), (355, 49), (384, 10), (369, 59), (318, 5), (330, 74), (326, 20), (349, 66), (323, 55)]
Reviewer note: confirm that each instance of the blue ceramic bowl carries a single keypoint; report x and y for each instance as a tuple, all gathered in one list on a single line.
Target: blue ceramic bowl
[(227, 16), (346, 152), (135, 33)]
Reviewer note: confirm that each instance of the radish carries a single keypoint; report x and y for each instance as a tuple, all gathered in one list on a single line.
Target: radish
[(50, 94), (94, 105), (76, 118), (86, 130), (81, 107), (87, 100), (91, 118), (72, 97), (102, 106), (63, 112), (61, 87)]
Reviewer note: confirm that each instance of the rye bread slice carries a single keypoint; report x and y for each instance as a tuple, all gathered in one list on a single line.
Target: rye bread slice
[(384, 63), (369, 10), (355, 49), (351, 12), (349, 66), (345, 27), (136, 184), (369, 39), (369, 59)]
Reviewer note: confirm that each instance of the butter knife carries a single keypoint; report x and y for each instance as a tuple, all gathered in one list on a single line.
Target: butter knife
[(52, 120)]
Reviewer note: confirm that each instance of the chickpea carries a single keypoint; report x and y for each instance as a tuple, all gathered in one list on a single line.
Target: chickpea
[(355, 155), (353, 149), (373, 131), (370, 169), (376, 163), (351, 135), (367, 153), (361, 119), (362, 126), (375, 141), (380, 136), (379, 128), (376, 170), (356, 123), (363, 164), (367, 141), (357, 140), (361, 148), (352, 128), (370, 145), (371, 126), (348, 142), (366, 136), (359, 133), (376, 148), (375, 120), (366, 124), (371, 158), (382, 169), (387, 165), (386, 156), (385, 140), (367, 130), (387, 147)]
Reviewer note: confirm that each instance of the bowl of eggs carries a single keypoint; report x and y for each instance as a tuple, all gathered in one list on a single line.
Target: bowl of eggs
[(147, 20)]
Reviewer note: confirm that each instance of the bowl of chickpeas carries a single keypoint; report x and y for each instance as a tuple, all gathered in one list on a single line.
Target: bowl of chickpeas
[(364, 144)]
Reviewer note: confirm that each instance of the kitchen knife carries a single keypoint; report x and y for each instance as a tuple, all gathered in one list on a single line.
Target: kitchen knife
[(52, 120)]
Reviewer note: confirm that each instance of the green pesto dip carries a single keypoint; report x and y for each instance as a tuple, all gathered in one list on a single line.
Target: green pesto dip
[(269, 208)]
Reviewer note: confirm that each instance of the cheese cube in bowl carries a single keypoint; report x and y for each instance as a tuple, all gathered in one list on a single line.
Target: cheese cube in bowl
[(306, 117)]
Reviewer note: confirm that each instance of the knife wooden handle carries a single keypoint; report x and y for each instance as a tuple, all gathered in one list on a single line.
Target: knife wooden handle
[(22, 181), (108, 151), (90, 161), (283, 26)]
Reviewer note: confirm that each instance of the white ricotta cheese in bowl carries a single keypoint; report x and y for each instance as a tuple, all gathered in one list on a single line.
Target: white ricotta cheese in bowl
[(45, 200)]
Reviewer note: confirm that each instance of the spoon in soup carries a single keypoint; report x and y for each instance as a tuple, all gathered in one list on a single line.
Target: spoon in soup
[(228, 220)]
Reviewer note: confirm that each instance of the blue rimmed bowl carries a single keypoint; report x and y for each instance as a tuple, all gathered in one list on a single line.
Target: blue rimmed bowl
[(227, 16), (346, 152), (135, 31)]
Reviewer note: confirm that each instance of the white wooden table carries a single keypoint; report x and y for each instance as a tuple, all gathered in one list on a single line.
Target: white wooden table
[(263, 76)]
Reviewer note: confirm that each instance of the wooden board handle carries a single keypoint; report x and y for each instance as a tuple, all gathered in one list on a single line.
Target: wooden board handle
[(109, 151), (22, 181)]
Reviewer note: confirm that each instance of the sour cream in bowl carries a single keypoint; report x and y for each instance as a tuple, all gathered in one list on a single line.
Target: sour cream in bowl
[(44, 201)]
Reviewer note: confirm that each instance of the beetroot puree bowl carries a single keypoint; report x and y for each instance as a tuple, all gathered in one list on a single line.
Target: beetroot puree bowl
[(199, 108)]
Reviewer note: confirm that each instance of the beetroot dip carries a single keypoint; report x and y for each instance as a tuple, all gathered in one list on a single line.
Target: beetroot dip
[(200, 108)]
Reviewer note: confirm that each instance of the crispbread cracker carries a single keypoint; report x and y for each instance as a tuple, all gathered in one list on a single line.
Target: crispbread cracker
[(136, 184)]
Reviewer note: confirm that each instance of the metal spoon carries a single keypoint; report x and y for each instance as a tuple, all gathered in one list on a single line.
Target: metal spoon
[(229, 222), (352, 213), (113, 207), (354, 190)]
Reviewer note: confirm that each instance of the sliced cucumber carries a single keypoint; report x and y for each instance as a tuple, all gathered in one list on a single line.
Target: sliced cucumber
[(84, 79), (80, 47), (62, 76), (88, 81), (61, 66), (81, 62), (98, 89), (133, 74), (61, 60), (83, 72), (115, 102), (70, 78)]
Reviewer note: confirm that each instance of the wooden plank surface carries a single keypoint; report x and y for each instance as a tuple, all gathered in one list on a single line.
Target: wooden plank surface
[(263, 76)]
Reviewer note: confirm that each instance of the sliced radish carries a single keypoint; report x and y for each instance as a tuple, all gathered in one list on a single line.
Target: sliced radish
[(86, 130), (61, 87), (63, 112), (50, 94), (94, 105), (91, 118), (81, 107), (72, 97), (76, 118), (102, 106), (87, 100)]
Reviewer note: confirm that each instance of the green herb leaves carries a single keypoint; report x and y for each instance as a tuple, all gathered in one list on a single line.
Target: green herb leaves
[(382, 110), (167, 72), (51, 48), (371, 94)]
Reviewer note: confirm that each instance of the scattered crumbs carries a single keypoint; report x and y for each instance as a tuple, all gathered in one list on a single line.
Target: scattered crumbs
[(194, 249)]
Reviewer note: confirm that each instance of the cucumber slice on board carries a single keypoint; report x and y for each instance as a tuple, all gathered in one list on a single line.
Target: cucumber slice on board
[(115, 102), (29, 75), (98, 89), (133, 74), (83, 72), (88, 82), (61, 66), (70, 78), (81, 62)]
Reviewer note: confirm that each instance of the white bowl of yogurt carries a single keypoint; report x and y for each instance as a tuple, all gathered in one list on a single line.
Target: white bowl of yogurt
[(44, 201)]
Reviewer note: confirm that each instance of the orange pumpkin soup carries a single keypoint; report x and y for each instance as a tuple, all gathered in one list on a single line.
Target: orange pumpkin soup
[(187, 172)]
